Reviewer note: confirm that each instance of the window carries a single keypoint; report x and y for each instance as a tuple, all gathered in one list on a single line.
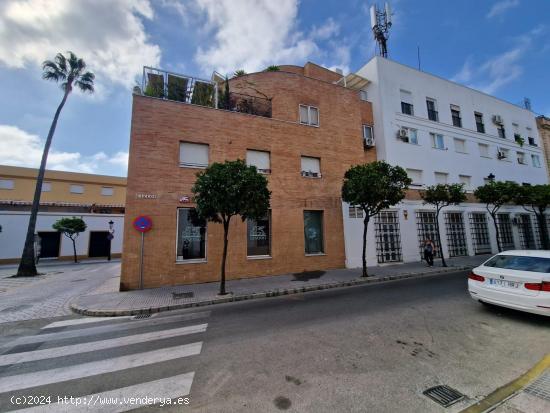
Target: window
[(531, 141), (536, 161), (107, 190), (311, 167), (521, 158), (191, 232), (441, 178), (501, 131), (46, 186), (77, 189), (313, 232), (367, 134), (416, 176), (388, 236), (309, 115), (6, 184), (363, 95), (437, 141), (259, 159), (412, 136), (503, 154), (483, 150), (479, 122), (406, 103), (455, 114), (432, 112), (520, 263), (193, 155), (355, 212), (466, 180), (460, 145), (258, 241)]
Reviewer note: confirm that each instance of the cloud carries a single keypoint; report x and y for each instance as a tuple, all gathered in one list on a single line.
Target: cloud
[(499, 70), (20, 148), (109, 36), (257, 33), (501, 7)]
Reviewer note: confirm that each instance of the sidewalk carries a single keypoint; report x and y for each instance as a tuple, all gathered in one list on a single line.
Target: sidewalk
[(101, 303)]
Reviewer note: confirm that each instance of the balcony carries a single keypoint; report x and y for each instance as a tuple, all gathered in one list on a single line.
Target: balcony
[(165, 85)]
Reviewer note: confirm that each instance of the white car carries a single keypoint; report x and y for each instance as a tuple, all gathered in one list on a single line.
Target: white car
[(518, 279)]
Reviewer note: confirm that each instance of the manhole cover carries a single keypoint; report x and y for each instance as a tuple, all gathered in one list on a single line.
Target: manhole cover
[(176, 296), (139, 316), (444, 395)]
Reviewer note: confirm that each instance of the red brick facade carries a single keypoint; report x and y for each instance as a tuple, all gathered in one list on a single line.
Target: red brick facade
[(158, 127)]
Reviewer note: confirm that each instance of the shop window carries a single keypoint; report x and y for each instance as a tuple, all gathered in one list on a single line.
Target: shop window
[(259, 236), (191, 233), (313, 232)]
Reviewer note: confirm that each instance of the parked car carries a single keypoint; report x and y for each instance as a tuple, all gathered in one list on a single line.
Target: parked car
[(518, 279)]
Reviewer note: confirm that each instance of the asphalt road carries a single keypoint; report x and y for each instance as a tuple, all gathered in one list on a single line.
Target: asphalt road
[(361, 349)]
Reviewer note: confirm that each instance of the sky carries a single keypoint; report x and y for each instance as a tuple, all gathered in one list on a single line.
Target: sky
[(501, 47)]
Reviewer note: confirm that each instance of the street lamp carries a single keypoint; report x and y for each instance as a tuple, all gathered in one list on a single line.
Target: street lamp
[(110, 237), (491, 177)]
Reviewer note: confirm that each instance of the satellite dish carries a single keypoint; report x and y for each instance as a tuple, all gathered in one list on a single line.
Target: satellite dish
[(372, 17)]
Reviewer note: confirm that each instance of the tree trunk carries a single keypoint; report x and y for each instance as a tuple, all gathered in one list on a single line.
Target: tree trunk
[(443, 263), (494, 216), (27, 266), (225, 236), (365, 227), (74, 249), (543, 229)]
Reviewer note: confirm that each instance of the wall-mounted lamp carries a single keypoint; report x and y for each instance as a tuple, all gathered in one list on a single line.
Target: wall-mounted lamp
[(405, 214)]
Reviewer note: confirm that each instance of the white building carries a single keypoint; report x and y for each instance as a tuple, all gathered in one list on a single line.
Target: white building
[(443, 132)]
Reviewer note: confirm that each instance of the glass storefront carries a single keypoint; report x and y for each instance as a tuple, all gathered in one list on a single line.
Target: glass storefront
[(258, 237), (191, 243), (313, 232)]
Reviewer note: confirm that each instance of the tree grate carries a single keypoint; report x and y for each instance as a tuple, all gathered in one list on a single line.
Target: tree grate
[(140, 316), (177, 296), (444, 395)]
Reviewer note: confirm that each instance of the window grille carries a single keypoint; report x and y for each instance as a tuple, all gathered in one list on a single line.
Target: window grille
[(456, 236), (388, 238), (506, 239), (480, 233), (525, 227), (426, 229)]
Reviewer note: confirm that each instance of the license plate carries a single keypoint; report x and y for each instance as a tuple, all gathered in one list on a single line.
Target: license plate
[(503, 283)]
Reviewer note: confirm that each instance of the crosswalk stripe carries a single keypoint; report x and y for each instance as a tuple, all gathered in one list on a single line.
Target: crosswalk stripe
[(86, 320), (57, 375), (35, 355), (167, 388), (117, 327)]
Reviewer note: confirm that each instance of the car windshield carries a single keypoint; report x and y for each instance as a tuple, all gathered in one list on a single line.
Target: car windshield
[(521, 263)]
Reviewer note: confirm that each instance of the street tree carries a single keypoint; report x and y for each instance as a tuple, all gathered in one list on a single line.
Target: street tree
[(373, 187), (536, 199), (71, 228), (71, 72), (494, 195), (441, 196), (228, 189)]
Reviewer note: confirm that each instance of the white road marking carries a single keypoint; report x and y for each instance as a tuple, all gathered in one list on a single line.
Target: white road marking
[(27, 356), (117, 327), (86, 320), (167, 388), (44, 377)]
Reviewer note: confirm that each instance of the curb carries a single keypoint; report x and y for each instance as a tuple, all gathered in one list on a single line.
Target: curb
[(505, 392), (265, 294)]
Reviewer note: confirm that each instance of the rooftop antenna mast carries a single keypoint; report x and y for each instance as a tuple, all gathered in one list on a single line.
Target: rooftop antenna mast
[(380, 21)]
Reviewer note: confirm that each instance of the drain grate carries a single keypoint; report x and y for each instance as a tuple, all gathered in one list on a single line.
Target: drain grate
[(444, 395), (540, 387), (140, 316), (176, 296)]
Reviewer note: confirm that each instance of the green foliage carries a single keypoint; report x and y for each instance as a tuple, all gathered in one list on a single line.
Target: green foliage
[(375, 186), (442, 195), (496, 193), (203, 94), (535, 197), (69, 71), (239, 73), (231, 188), (70, 227), (272, 68), (519, 140)]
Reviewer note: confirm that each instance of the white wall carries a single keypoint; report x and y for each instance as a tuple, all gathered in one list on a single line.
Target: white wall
[(388, 78), (14, 229)]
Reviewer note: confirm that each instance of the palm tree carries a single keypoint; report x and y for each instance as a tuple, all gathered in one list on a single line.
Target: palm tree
[(70, 71)]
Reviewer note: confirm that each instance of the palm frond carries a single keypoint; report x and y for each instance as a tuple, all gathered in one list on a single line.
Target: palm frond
[(61, 62), (85, 86), (51, 71)]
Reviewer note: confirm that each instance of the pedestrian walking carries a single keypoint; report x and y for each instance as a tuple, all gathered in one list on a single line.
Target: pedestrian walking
[(429, 249)]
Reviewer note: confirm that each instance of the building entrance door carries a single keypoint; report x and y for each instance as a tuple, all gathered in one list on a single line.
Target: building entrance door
[(50, 243), (99, 244)]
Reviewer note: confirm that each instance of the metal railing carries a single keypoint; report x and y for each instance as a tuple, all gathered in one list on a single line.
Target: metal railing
[(166, 85), (162, 84)]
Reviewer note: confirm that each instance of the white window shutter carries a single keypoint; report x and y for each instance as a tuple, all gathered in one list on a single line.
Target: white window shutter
[(310, 164), (259, 159), (194, 154)]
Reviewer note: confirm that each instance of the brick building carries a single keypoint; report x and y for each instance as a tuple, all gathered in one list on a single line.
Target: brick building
[(301, 126)]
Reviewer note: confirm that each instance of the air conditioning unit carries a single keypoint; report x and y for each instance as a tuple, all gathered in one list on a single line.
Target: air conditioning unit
[(369, 142), (497, 119), (403, 134)]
